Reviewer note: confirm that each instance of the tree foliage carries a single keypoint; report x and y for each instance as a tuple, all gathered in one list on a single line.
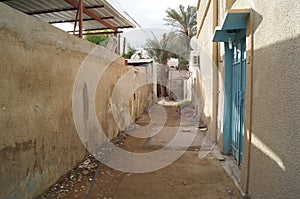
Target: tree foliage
[(157, 49), (101, 39), (170, 45), (184, 20), (130, 51)]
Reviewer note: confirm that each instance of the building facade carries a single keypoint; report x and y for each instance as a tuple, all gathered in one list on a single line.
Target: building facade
[(245, 78)]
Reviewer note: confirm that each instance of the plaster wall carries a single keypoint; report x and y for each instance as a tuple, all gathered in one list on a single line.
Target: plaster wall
[(272, 100), (38, 139), (205, 71), (220, 119), (223, 6), (275, 102), (176, 83)]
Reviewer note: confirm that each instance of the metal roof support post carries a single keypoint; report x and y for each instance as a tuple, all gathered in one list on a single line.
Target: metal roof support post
[(76, 18), (80, 17), (116, 37), (74, 3)]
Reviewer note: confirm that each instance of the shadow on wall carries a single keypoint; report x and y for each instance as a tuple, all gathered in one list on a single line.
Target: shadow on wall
[(274, 166), (164, 92), (257, 20), (202, 94), (141, 100), (136, 105)]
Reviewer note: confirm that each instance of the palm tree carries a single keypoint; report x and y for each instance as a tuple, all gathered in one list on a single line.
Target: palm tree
[(170, 45), (158, 49), (184, 20)]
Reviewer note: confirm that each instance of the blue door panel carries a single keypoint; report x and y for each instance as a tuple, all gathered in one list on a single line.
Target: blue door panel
[(238, 96), (234, 104)]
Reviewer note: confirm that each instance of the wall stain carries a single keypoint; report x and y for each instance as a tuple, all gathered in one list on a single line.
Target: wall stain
[(24, 146), (85, 104)]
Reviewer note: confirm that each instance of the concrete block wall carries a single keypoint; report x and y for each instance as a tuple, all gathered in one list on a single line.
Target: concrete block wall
[(38, 138)]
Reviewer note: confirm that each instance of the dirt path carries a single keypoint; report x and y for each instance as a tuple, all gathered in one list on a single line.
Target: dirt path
[(188, 177)]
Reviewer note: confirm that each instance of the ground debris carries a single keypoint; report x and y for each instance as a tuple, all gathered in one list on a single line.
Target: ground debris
[(85, 169), (85, 173), (92, 179), (230, 192)]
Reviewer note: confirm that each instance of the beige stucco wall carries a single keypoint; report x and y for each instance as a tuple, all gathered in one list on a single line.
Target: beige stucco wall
[(275, 102), (272, 111), (38, 139), (211, 92), (204, 72), (223, 6)]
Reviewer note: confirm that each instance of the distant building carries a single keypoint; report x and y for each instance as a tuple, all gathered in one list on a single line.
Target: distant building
[(146, 67), (173, 62)]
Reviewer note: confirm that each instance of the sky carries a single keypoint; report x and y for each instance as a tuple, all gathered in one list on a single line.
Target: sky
[(149, 15)]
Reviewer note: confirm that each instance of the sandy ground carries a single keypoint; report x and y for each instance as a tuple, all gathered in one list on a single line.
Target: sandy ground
[(188, 177)]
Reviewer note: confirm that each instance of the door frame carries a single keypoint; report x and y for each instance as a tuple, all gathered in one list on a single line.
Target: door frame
[(229, 97)]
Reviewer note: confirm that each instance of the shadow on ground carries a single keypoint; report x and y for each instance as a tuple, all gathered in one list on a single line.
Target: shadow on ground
[(187, 178)]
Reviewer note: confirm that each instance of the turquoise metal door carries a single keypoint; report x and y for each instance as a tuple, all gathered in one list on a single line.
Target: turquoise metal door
[(238, 97)]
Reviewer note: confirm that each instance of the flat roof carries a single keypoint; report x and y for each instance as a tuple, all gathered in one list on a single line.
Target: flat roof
[(139, 62), (97, 14)]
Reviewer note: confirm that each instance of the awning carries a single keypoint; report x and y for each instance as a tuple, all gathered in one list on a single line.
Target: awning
[(235, 20), (97, 14)]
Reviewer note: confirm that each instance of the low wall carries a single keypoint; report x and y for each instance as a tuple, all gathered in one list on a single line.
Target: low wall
[(38, 138)]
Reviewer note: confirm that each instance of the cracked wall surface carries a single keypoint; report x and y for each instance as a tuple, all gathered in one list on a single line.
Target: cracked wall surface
[(38, 138)]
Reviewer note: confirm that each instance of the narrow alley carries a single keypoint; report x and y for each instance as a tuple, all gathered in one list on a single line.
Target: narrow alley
[(160, 99), (188, 177)]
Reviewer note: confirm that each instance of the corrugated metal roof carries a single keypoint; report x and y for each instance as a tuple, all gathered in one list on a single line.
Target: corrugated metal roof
[(59, 11)]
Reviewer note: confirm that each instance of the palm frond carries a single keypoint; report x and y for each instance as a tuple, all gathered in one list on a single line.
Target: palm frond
[(183, 19)]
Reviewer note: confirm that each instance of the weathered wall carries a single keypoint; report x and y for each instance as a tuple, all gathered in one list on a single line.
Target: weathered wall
[(138, 104), (176, 83), (223, 6), (38, 139), (204, 73), (275, 102), (126, 95)]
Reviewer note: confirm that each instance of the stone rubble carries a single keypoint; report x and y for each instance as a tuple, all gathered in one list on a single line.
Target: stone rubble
[(86, 169)]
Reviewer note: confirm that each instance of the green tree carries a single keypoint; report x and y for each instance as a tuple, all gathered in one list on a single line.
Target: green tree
[(130, 51), (101, 39), (184, 20), (157, 49)]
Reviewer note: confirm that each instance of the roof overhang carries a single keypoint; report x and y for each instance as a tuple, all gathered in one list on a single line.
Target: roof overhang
[(96, 15), (235, 20)]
